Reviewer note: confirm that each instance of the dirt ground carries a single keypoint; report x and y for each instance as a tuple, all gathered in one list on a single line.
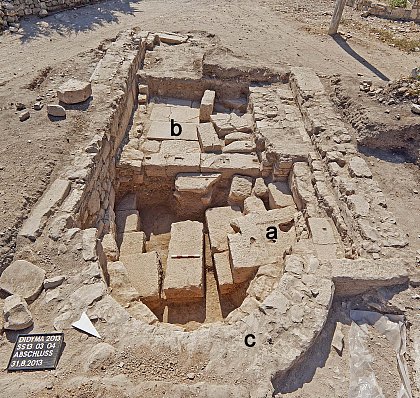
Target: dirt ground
[(49, 51)]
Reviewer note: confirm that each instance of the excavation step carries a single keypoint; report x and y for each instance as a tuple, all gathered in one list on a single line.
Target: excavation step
[(184, 276)]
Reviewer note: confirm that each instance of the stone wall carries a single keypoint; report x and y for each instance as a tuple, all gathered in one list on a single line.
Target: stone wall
[(410, 13), (12, 11), (83, 196)]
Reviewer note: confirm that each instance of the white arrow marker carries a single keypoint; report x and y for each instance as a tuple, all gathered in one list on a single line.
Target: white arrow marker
[(84, 324)]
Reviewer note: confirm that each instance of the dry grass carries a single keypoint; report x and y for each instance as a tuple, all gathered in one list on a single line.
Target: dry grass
[(400, 42)]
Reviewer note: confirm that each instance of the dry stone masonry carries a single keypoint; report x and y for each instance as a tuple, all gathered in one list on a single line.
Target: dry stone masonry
[(202, 192)]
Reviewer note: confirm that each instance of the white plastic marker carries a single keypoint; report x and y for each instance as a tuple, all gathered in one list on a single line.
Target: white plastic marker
[(84, 324), (185, 256)]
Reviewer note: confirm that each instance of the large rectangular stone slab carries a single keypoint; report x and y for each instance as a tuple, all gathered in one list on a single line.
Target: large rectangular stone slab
[(157, 165), (162, 131), (246, 257), (322, 232), (357, 276), (223, 271), (279, 195), (209, 140), (230, 164), (184, 114), (218, 221), (52, 197), (127, 221), (184, 276), (199, 183), (145, 274), (180, 147), (132, 243)]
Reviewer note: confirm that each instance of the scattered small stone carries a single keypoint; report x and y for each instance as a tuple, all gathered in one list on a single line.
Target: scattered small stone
[(24, 116), (415, 109), (56, 110), (191, 376), (387, 111), (415, 191), (38, 106), (20, 106)]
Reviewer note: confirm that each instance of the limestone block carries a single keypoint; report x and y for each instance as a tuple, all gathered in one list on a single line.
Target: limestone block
[(279, 195), (258, 222), (56, 110), (74, 91), (240, 147), (94, 203), (247, 256), (260, 190), (199, 183), (22, 278), (209, 140), (240, 189), (89, 244), (244, 124), (184, 114), (357, 276), (187, 163), (184, 276), (132, 243), (321, 230), (253, 204), (162, 131), (171, 38), (179, 148), (127, 221), (223, 272), (144, 272), (359, 168), (206, 106), (119, 282), (53, 197), (16, 313), (229, 164), (110, 247), (221, 122), (358, 205), (55, 281), (218, 221), (161, 113), (151, 147), (237, 136)]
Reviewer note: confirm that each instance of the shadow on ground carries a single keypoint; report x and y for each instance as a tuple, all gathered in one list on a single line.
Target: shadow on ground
[(346, 47), (76, 20)]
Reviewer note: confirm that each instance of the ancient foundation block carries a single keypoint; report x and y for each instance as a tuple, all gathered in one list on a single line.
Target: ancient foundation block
[(207, 104), (223, 271), (127, 221), (240, 189), (184, 270), (145, 274), (218, 221), (132, 243), (279, 195), (209, 140)]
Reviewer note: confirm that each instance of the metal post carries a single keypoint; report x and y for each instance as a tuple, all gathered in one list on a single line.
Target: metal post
[(335, 21)]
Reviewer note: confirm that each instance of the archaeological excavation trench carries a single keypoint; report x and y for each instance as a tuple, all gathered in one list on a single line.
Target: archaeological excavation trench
[(217, 199)]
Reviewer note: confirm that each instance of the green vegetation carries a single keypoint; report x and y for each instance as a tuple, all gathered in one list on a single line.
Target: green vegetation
[(398, 3)]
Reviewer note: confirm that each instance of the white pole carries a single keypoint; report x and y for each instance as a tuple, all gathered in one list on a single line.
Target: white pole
[(338, 12)]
